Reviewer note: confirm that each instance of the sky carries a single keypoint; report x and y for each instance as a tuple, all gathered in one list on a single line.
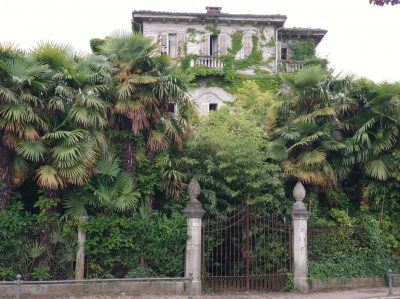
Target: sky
[(362, 39)]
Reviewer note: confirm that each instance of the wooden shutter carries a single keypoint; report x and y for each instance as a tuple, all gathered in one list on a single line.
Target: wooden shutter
[(223, 43), (247, 46), (164, 43), (172, 45), (205, 45)]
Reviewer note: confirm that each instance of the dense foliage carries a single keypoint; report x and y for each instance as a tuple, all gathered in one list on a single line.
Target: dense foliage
[(355, 247), (119, 246), (95, 136)]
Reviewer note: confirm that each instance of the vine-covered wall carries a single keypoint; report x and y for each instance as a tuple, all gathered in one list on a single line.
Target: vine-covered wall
[(243, 45)]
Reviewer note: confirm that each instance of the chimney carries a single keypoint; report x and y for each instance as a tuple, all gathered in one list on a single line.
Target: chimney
[(213, 10)]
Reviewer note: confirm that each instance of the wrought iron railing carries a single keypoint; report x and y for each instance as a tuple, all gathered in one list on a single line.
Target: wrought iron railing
[(290, 65), (208, 61)]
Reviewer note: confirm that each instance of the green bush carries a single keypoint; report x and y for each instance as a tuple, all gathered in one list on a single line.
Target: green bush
[(13, 222), (118, 246), (354, 248)]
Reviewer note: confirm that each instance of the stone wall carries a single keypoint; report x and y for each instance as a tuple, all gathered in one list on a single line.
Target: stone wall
[(114, 288), (345, 283)]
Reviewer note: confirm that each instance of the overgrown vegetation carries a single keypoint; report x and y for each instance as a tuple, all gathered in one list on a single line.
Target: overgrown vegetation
[(302, 49), (93, 136)]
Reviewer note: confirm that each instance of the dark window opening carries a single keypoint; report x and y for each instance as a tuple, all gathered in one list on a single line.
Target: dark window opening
[(284, 53), (171, 107), (213, 107), (214, 45)]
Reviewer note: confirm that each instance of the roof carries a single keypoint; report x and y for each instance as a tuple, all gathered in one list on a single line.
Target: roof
[(140, 15), (313, 33)]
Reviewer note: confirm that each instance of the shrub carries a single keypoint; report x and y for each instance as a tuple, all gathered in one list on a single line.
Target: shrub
[(119, 246)]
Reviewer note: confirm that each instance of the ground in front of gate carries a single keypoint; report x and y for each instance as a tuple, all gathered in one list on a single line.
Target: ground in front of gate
[(371, 293)]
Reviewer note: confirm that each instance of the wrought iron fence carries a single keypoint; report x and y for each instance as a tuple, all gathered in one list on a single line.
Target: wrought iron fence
[(39, 255), (247, 251)]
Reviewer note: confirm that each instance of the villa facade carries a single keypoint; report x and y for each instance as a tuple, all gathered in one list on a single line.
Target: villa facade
[(207, 39)]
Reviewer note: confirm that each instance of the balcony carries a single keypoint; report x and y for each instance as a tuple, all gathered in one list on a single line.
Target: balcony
[(289, 66), (208, 61)]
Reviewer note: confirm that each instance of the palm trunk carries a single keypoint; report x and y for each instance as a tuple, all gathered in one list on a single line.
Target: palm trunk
[(5, 174), (129, 161)]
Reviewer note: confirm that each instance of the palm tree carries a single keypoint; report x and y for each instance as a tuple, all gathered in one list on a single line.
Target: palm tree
[(22, 83), (75, 115), (142, 88), (309, 132), (375, 129), (110, 189)]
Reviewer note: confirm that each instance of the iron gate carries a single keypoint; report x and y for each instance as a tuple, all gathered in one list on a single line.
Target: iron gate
[(249, 250)]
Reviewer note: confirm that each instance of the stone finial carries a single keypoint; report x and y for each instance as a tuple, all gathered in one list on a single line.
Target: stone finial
[(193, 207), (299, 192), (299, 208), (194, 189)]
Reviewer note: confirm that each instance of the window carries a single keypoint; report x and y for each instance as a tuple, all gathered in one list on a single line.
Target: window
[(214, 45), (212, 107), (171, 107), (172, 45), (284, 54)]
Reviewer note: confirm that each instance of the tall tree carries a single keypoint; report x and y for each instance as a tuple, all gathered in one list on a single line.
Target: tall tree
[(230, 162), (75, 116), (308, 132), (374, 131), (22, 82), (143, 88)]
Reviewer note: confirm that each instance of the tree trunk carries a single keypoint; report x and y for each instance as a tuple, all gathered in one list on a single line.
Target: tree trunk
[(5, 174), (129, 161)]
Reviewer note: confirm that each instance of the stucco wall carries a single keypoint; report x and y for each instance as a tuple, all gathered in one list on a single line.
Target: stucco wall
[(198, 43), (204, 96)]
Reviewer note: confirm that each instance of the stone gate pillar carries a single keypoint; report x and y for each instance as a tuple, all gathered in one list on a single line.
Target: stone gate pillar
[(300, 215), (80, 254), (195, 212)]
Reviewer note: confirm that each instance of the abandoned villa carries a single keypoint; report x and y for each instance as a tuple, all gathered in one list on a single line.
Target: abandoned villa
[(220, 40)]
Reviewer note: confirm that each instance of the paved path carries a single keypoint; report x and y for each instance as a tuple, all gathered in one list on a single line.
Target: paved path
[(344, 294)]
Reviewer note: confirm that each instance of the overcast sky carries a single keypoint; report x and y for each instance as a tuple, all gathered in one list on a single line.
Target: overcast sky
[(362, 39)]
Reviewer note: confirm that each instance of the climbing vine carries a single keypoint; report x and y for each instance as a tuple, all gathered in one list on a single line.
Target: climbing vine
[(254, 58), (214, 29), (237, 42), (302, 49)]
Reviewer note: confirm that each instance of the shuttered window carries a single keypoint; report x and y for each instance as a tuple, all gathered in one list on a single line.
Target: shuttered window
[(246, 46), (223, 43)]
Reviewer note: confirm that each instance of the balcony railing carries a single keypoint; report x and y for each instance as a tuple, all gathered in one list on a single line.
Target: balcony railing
[(290, 65), (208, 61)]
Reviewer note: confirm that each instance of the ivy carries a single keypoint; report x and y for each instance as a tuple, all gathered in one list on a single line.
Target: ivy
[(185, 62), (271, 43), (214, 29), (237, 42), (191, 31), (254, 58), (302, 49)]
